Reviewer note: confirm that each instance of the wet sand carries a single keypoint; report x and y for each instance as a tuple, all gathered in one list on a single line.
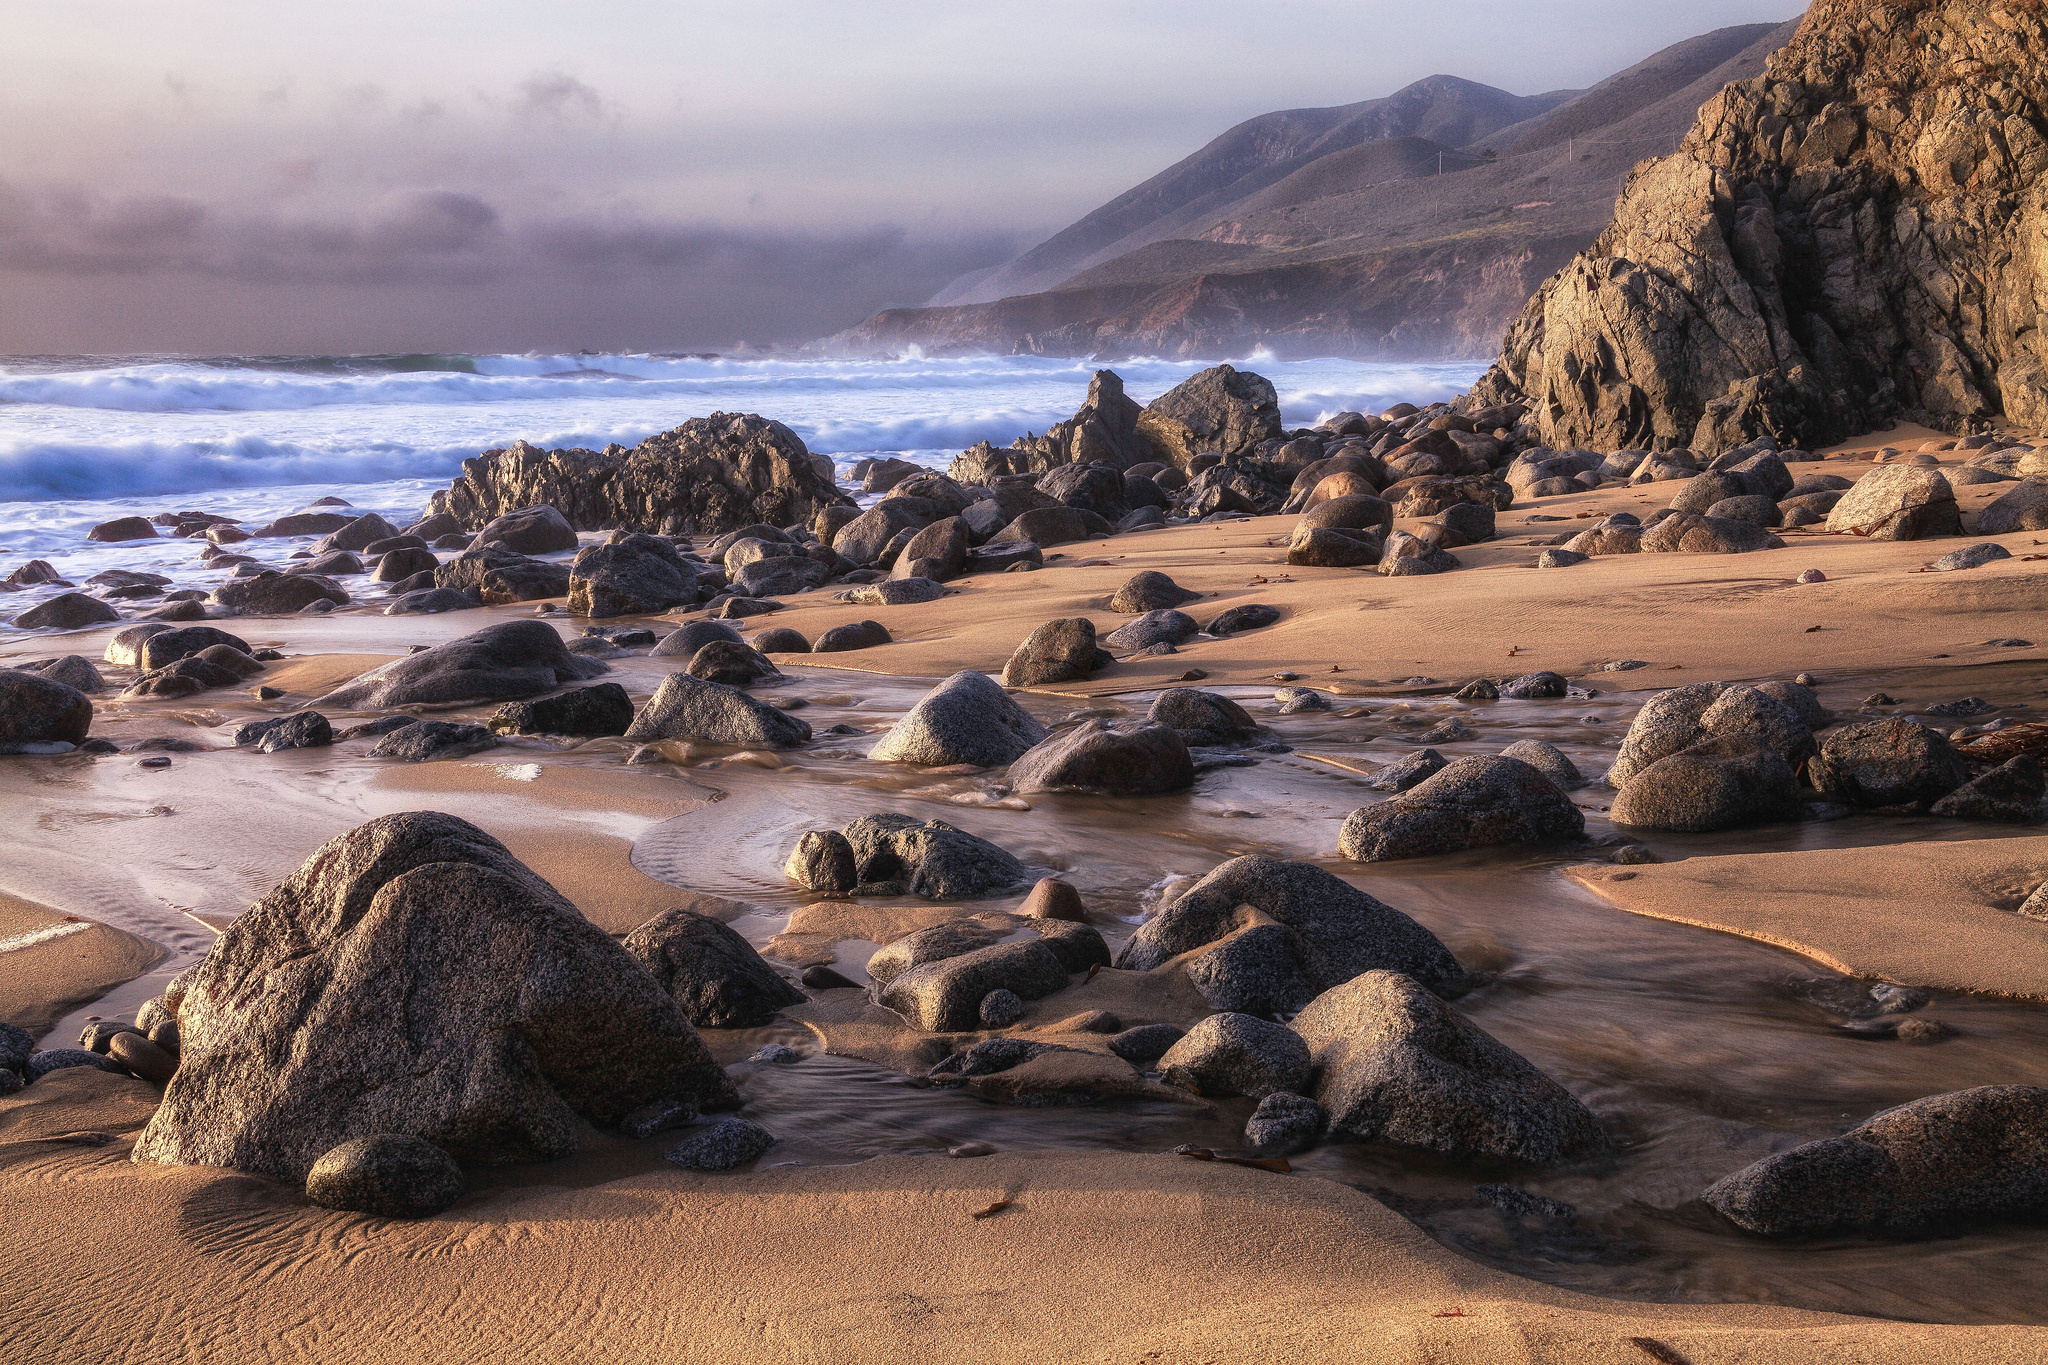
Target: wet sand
[(1688, 1026)]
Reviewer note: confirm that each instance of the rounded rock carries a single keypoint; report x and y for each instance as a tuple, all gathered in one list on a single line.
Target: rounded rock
[(392, 1175)]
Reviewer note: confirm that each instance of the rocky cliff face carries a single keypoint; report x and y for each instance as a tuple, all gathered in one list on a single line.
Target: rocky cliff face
[(1855, 236), (709, 475)]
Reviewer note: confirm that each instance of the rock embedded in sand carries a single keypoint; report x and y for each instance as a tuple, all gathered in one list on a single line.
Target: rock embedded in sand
[(1206, 718), (2022, 508), (1971, 557), (1898, 502), (853, 635), (1250, 616), (16, 1043), (2010, 793), (898, 592), (1048, 526), (935, 943), (1396, 1064), (945, 996), (1235, 1054), (1404, 773), (933, 859), (424, 740), (1078, 947), (601, 710), (1000, 1009), (413, 977), (684, 643), (41, 1064), (1100, 757), (689, 708), (391, 1175), (301, 730), (66, 611), (1164, 626), (1058, 651), (1146, 1043), (1343, 930), (1472, 803), (729, 1142), (1284, 1124), (1887, 763), (712, 973), (823, 861), (781, 640), (1053, 898), (1954, 1160), (1149, 592), (40, 715), (275, 594), (502, 662), (1326, 547), (1720, 782), (965, 719)]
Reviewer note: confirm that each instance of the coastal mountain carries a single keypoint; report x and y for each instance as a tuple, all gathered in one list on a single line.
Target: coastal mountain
[(1411, 226), (1852, 237)]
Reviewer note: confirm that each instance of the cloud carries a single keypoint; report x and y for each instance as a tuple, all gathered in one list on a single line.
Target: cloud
[(558, 95)]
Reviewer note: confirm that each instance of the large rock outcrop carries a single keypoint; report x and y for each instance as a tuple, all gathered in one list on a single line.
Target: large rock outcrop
[(1105, 428), (709, 475), (1222, 410), (1847, 239), (413, 977)]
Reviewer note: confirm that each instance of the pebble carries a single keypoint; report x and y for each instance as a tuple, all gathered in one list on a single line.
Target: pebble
[(727, 1143), (967, 1149), (775, 1054), (268, 693), (1811, 576), (156, 761), (823, 978)]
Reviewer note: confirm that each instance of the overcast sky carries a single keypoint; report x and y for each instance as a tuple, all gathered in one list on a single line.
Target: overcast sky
[(368, 175)]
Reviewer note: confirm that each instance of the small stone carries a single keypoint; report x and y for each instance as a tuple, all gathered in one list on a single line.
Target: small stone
[(657, 1117), (1923, 1031), (823, 978), (776, 1054), (1145, 1043), (1479, 689), (143, 1057), (1283, 1124), (1879, 699), (269, 693), (971, 1149), (1559, 559), (1634, 855), (1811, 576), (1000, 1009), (1052, 898), (392, 1175), (727, 1143)]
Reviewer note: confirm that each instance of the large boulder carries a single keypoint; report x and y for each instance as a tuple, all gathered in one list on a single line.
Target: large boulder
[(1224, 410), (270, 593), (67, 611), (40, 715), (1236, 1054), (499, 576), (504, 662), (945, 996), (1718, 783), (360, 534), (935, 943), (709, 475), (690, 708), (1148, 592), (1343, 931), (601, 710), (415, 978), (965, 719), (1780, 715), (168, 646), (1898, 502), (1047, 526), (1891, 762), (2024, 507), (1110, 760), (634, 575), (2010, 793), (1097, 488), (713, 973), (1261, 969), (1947, 1161), (536, 530), (930, 858), (1471, 803), (1058, 651), (1396, 1064), (1202, 717)]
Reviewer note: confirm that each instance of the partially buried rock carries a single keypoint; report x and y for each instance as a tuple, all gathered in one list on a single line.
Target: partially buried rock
[(1472, 803), (731, 663), (945, 996), (934, 943), (1284, 1124), (689, 708), (1534, 686), (854, 635), (601, 710), (1887, 763), (39, 715), (392, 1175), (413, 977), (823, 861), (2010, 793), (1962, 1159), (931, 858), (1052, 898), (1146, 1043), (1971, 557), (1722, 782), (1394, 1063), (1235, 1054), (276, 594), (1207, 718), (1259, 970), (1412, 771), (498, 663), (431, 602), (1058, 651), (66, 611), (898, 592), (1113, 760), (965, 719), (1149, 591), (685, 642), (1154, 627), (713, 973), (301, 730), (1898, 502), (1250, 616), (1000, 1009), (727, 1143), (782, 640), (430, 739), (1547, 759)]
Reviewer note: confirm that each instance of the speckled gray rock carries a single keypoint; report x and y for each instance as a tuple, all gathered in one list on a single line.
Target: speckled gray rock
[(160, 647), (1108, 759), (634, 575), (1898, 502), (424, 740), (2022, 508), (1887, 763), (1207, 718), (392, 1175), (432, 602), (1804, 703), (1343, 931), (1284, 1124), (41, 1064), (1235, 1054), (1149, 592), (1404, 773), (945, 996), (1547, 759), (276, 594), (1058, 651), (413, 977), (852, 635), (731, 663), (1397, 1064), (38, 714), (1472, 803), (1534, 686), (823, 861), (1000, 1009), (1077, 946), (1971, 557), (601, 710), (727, 1143), (1965, 1158), (537, 530), (2009, 794), (1257, 971), (1667, 722), (16, 1043), (965, 719), (66, 611), (300, 730), (1250, 616), (73, 670), (1742, 710), (1164, 626), (1146, 1043), (502, 662), (689, 708), (933, 859), (932, 944), (1333, 547), (684, 643), (1721, 782), (713, 973)]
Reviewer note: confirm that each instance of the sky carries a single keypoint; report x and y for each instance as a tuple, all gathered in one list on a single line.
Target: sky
[(364, 176)]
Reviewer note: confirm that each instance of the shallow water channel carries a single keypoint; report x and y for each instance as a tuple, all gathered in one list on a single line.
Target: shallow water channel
[(1699, 1051)]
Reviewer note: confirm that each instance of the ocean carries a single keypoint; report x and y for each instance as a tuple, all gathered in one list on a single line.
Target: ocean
[(85, 439)]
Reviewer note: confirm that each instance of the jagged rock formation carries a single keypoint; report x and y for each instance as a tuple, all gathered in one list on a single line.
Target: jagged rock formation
[(709, 475), (1415, 225), (1104, 428), (1850, 238)]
